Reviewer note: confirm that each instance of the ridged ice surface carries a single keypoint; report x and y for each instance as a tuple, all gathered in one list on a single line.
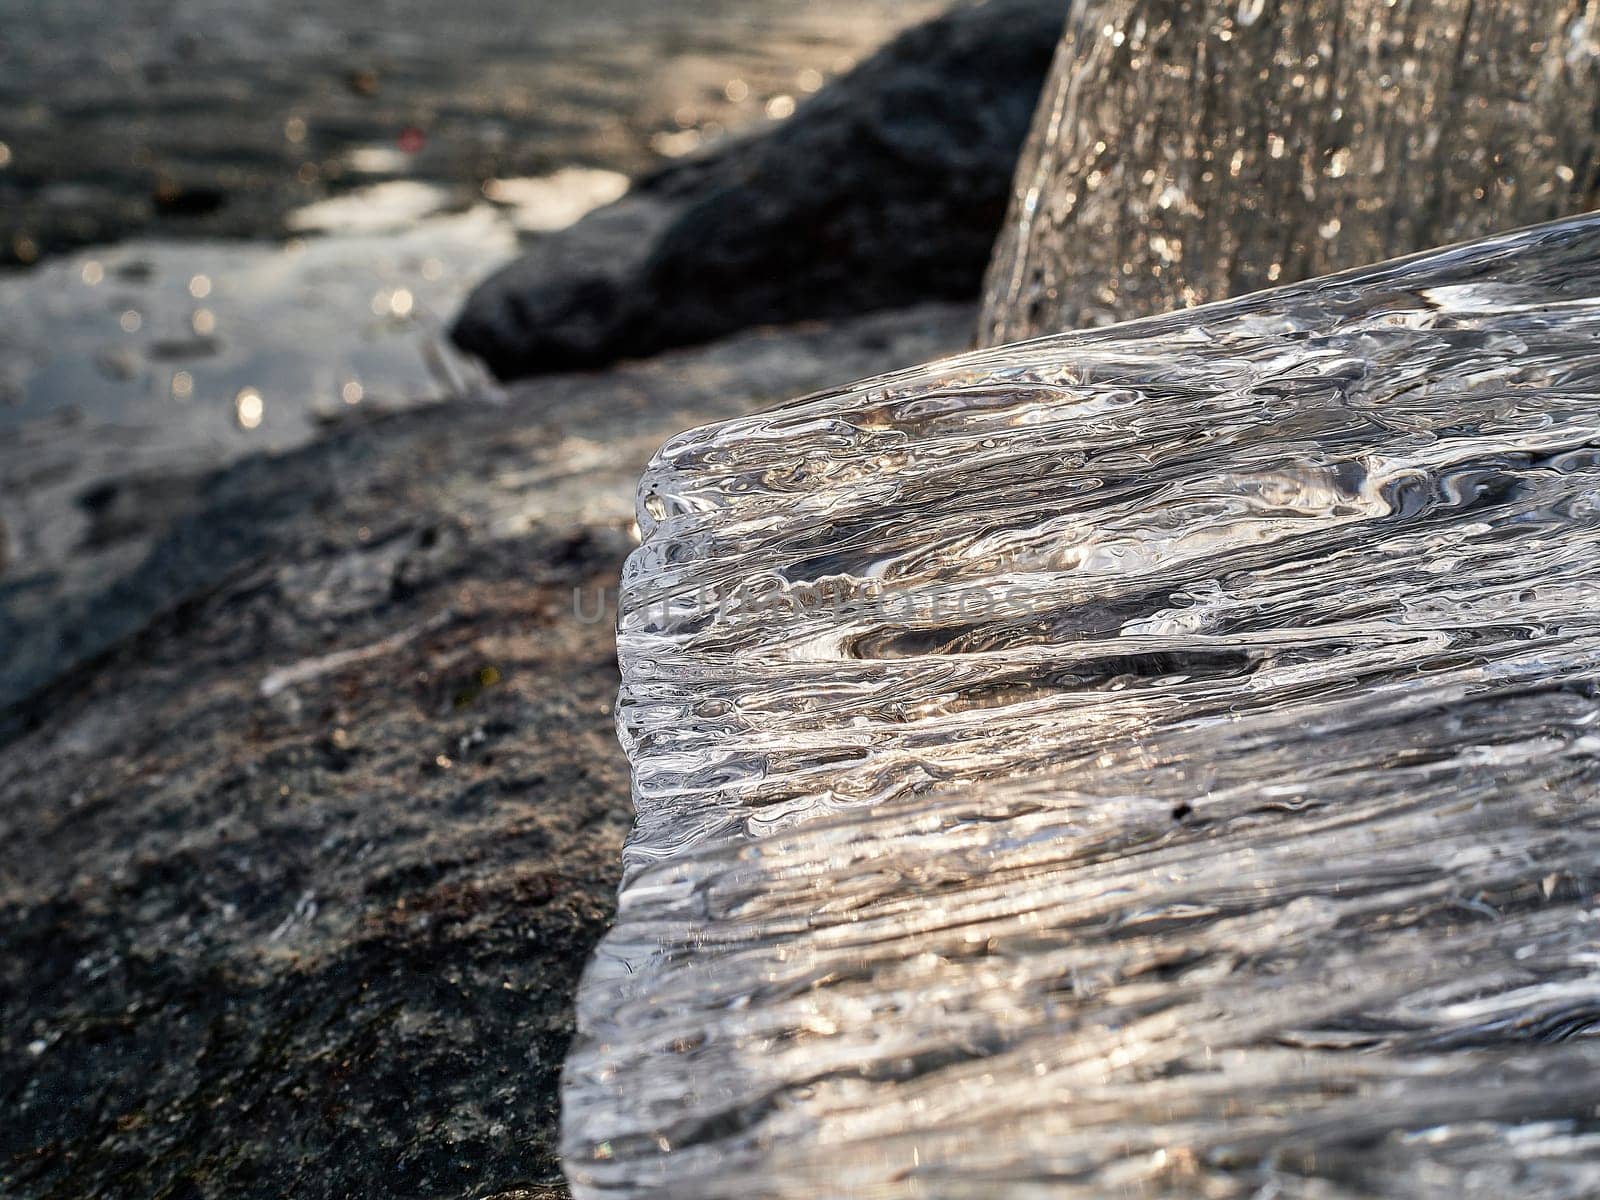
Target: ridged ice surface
[(1193, 150), (1154, 761)]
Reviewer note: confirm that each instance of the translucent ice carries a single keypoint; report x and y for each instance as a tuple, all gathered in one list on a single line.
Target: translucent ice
[(1158, 760)]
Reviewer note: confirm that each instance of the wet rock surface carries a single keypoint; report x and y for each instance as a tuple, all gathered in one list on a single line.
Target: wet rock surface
[(887, 188), (219, 117), (307, 848)]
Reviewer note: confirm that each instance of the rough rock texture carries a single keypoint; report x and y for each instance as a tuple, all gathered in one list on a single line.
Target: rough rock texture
[(1155, 179), (299, 878), (885, 189)]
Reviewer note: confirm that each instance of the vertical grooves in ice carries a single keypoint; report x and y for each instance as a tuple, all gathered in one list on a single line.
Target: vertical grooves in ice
[(1192, 150)]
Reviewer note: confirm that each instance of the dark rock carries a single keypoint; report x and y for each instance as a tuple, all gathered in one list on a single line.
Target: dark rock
[(304, 859), (885, 189)]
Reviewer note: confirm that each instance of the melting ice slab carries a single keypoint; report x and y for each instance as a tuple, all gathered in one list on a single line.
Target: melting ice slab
[(1153, 761)]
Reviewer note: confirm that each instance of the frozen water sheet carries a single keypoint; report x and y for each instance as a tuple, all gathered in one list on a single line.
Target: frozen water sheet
[(1158, 760)]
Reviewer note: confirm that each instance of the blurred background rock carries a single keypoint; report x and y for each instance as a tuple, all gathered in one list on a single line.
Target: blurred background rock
[(230, 224)]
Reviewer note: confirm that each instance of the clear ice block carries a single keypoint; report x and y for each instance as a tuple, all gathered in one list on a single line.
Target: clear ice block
[(1158, 760)]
